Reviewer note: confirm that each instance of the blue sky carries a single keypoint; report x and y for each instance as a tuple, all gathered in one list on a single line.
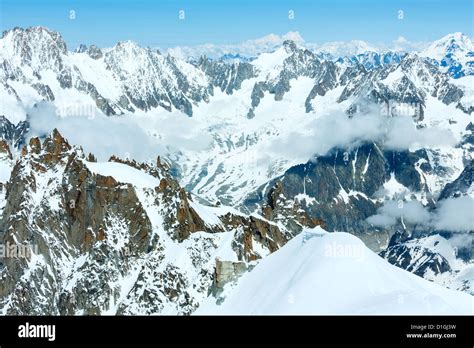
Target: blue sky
[(156, 23)]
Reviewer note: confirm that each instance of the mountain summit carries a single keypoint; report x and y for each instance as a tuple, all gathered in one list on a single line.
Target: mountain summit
[(455, 52)]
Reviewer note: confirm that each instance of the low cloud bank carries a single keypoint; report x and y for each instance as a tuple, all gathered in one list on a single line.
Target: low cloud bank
[(141, 138), (339, 131), (453, 214)]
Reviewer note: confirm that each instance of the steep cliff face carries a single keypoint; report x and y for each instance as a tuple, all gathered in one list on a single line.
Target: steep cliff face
[(114, 237), (463, 185), (436, 258), (435, 252), (13, 134), (344, 188)]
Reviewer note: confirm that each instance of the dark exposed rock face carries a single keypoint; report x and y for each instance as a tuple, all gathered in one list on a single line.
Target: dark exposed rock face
[(13, 135), (468, 139), (81, 48), (227, 77), (288, 212), (461, 185), (416, 259), (226, 272), (102, 104), (44, 91), (341, 190), (94, 52)]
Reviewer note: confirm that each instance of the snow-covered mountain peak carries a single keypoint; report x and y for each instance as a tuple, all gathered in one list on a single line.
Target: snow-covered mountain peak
[(454, 43), (345, 48), (266, 62), (290, 46), (129, 47), (129, 56), (37, 47), (455, 54), (289, 56), (38, 34)]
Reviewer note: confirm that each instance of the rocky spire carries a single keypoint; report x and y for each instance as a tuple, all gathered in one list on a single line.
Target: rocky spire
[(5, 149)]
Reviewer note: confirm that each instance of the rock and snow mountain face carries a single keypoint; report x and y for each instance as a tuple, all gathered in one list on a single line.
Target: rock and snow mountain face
[(372, 59), (115, 237), (333, 273), (436, 258), (36, 65), (454, 53), (292, 139), (440, 255)]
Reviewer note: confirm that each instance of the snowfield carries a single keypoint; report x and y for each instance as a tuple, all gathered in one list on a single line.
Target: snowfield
[(334, 273), (123, 173)]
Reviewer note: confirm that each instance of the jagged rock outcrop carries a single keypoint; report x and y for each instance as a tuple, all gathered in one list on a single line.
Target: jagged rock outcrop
[(5, 150), (226, 272), (399, 83), (13, 134), (228, 77), (115, 237), (462, 185), (416, 259), (157, 81)]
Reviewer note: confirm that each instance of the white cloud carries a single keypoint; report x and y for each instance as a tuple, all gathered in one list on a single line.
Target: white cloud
[(125, 135), (270, 42), (249, 48), (412, 212), (402, 44), (453, 214), (462, 240), (381, 220), (402, 133), (337, 130)]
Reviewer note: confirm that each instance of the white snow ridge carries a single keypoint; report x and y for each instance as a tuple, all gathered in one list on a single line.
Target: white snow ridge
[(334, 273)]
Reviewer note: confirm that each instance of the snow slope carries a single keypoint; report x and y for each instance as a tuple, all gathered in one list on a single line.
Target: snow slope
[(454, 52), (123, 173), (334, 273)]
